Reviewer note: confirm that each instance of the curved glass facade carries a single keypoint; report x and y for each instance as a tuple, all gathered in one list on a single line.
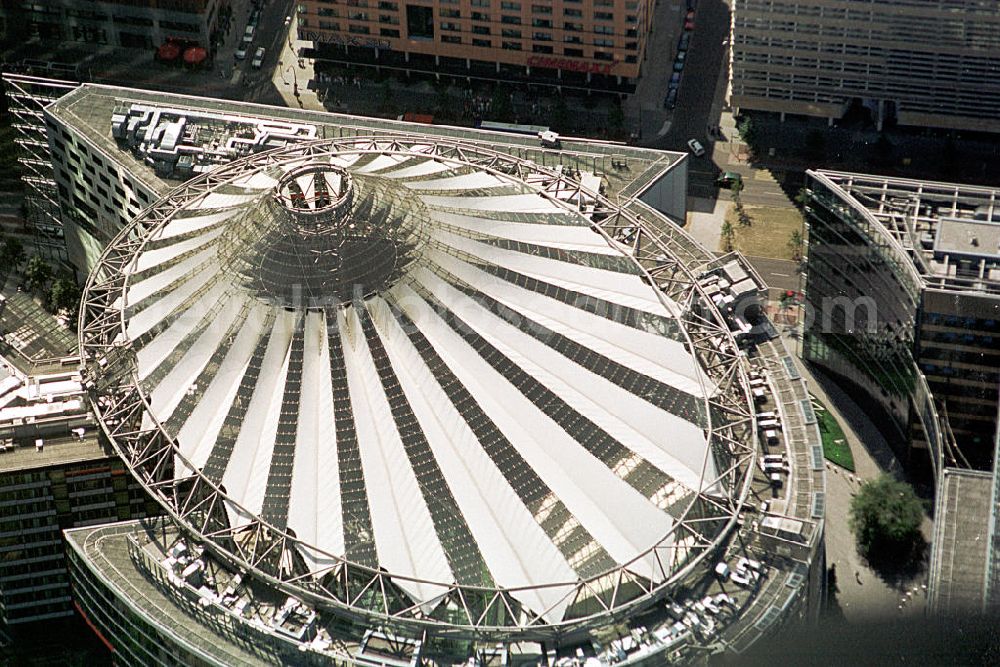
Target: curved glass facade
[(863, 300)]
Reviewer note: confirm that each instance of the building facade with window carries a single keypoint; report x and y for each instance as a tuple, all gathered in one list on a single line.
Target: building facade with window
[(903, 282), (568, 43), (67, 483), (141, 24), (925, 63)]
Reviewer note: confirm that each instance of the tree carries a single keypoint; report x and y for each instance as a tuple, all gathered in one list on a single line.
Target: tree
[(796, 243), (560, 114), (815, 145), (885, 517), (802, 197), (616, 120), (11, 253), (728, 236), (882, 151), (501, 106), (64, 294), (747, 130), (736, 189), (386, 102), (36, 273)]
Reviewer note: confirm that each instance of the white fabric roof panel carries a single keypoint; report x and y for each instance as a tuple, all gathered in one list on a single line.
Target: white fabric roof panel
[(492, 405), (404, 533)]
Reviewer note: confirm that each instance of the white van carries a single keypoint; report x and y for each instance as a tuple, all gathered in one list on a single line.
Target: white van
[(248, 34)]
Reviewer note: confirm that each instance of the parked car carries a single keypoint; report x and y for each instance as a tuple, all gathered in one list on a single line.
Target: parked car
[(241, 52), (678, 65), (258, 58), (696, 147), (728, 178), (675, 79), (670, 101), (689, 25), (684, 41)]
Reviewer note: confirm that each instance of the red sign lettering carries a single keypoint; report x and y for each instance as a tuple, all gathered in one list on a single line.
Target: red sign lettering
[(571, 65)]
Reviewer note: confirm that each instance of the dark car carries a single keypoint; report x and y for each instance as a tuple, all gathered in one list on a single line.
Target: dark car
[(728, 178), (684, 42), (675, 79), (670, 101)]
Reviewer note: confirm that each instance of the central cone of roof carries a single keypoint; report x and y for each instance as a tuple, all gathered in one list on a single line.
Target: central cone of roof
[(323, 237)]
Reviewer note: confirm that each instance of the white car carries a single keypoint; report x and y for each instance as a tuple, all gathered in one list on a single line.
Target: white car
[(696, 147), (241, 53), (258, 58)]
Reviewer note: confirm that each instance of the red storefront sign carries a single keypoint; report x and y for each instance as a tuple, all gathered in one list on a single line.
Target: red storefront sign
[(571, 65)]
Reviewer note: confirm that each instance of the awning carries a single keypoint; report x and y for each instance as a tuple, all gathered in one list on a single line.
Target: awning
[(195, 55), (168, 51)]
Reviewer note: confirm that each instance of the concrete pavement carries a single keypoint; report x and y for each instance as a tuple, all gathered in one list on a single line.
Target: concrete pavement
[(861, 594)]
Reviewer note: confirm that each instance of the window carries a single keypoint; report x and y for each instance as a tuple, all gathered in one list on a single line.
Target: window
[(388, 32), (481, 29), (451, 39), (511, 46), (573, 12), (450, 13), (541, 37), (511, 20), (541, 9), (390, 6), (358, 29), (420, 22), (358, 16), (453, 27), (480, 3), (541, 23), (510, 32), (388, 18), (574, 53), (604, 16), (480, 16), (514, 6), (573, 27), (541, 48), (600, 55), (482, 42)]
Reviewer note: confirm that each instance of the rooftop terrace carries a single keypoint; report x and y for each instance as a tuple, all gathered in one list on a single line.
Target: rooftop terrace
[(951, 232)]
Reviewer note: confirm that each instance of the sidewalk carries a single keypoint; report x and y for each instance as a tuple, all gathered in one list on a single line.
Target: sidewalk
[(704, 221), (861, 594)]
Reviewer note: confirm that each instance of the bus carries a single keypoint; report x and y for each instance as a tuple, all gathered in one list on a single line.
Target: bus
[(532, 130)]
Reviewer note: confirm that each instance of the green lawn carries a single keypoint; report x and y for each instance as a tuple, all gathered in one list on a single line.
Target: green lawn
[(835, 447), (769, 234)]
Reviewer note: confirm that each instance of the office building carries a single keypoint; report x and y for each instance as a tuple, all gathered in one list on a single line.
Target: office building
[(903, 289), (54, 475), (903, 281), (136, 24), (435, 286), (570, 43), (924, 63)]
